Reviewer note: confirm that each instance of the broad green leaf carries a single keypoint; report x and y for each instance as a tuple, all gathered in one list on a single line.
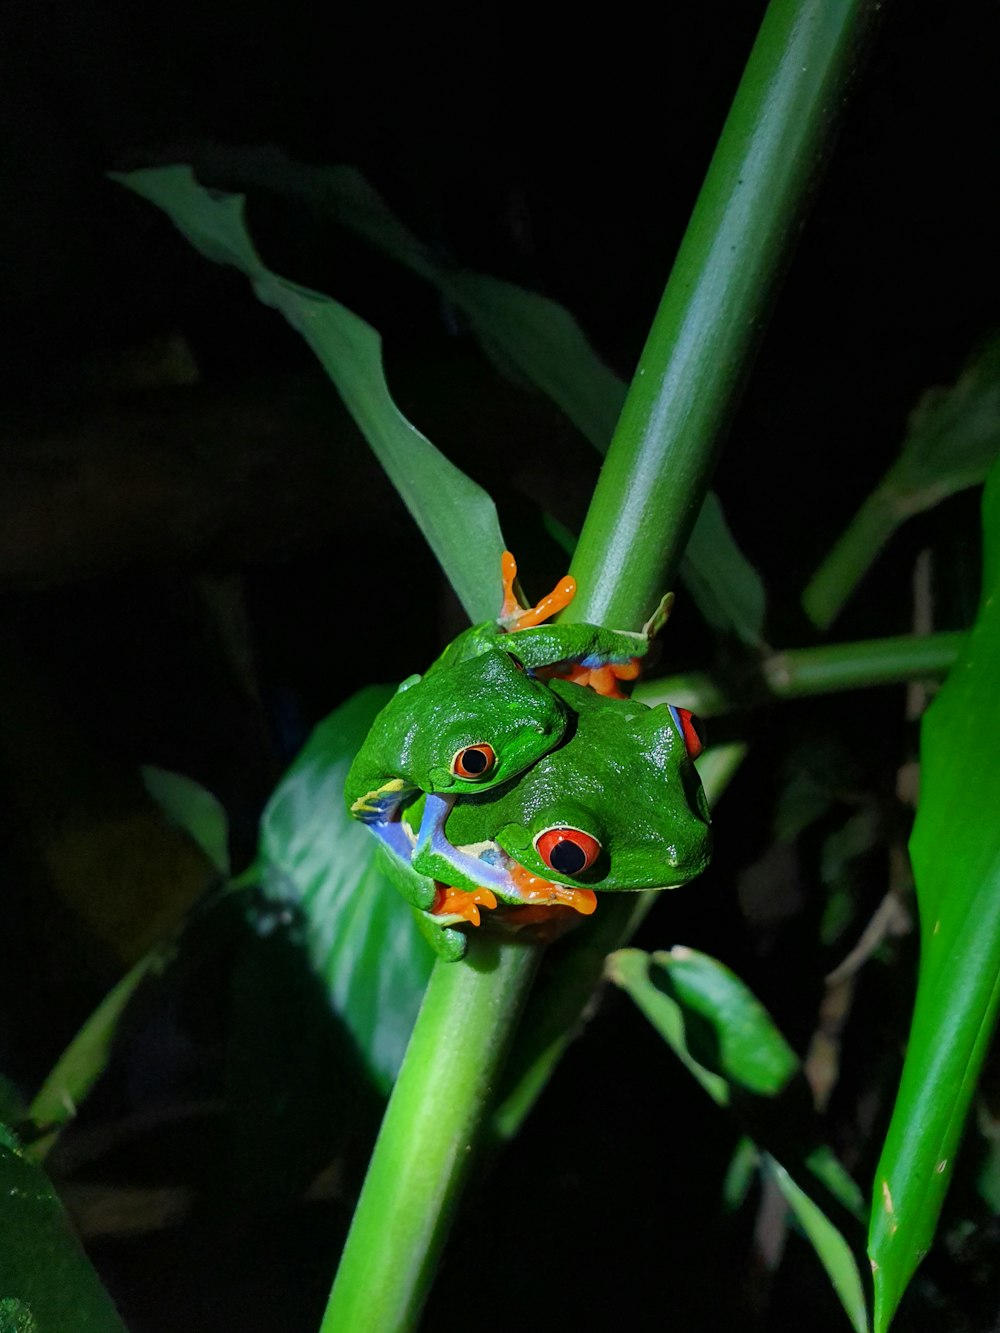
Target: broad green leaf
[(193, 808), (536, 336), (955, 850), (834, 1252), (433, 489), (316, 860), (46, 1282), (952, 439), (726, 1038)]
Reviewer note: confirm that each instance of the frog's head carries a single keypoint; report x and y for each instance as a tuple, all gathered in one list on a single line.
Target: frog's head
[(619, 807), (478, 724)]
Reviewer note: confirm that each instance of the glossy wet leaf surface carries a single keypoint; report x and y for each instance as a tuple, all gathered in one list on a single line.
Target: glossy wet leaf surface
[(955, 849), (318, 870)]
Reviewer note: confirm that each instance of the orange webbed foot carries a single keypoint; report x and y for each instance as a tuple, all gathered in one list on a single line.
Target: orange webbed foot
[(513, 616), (543, 892), (604, 679), (462, 903)]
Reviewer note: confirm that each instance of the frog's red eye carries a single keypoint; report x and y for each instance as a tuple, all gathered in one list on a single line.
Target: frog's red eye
[(474, 762), (568, 851), (691, 729)]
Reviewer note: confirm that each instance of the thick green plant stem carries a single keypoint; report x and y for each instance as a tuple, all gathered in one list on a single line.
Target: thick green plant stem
[(799, 672), (651, 487), (427, 1140), (739, 239), (654, 479)]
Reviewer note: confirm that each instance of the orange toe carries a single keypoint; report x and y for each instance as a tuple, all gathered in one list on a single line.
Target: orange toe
[(543, 892), (459, 902)]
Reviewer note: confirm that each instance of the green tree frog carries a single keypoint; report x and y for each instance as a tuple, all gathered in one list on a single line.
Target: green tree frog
[(481, 715), (617, 807)]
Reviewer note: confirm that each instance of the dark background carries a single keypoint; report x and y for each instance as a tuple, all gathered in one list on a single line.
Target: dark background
[(192, 574)]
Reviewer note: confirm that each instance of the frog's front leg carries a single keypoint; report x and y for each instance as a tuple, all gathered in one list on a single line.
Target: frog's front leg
[(380, 809), (435, 855)]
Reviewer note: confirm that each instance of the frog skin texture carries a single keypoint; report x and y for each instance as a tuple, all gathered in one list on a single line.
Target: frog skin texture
[(618, 805), (482, 695), (515, 770)]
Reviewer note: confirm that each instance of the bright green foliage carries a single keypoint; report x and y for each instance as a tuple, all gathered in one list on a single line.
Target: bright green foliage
[(956, 864), (728, 1041), (46, 1282), (193, 808), (952, 438), (536, 338), (834, 1252), (315, 859), (351, 353)]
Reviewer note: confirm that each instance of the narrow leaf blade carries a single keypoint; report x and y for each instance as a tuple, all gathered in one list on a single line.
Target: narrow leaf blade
[(726, 1038), (952, 439), (193, 808), (955, 850), (530, 332), (833, 1250), (350, 350)]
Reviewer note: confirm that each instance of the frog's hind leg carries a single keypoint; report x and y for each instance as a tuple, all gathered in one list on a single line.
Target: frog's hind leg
[(433, 841)]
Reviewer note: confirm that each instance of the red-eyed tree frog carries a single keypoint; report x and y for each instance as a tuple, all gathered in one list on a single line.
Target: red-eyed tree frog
[(617, 807), (481, 715)]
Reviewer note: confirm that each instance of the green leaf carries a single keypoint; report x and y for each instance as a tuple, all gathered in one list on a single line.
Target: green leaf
[(536, 336), (952, 439), (193, 808), (726, 1038), (350, 351), (740, 1174), (316, 859), (955, 850), (834, 1252), (726, 587), (46, 1282), (86, 1057)]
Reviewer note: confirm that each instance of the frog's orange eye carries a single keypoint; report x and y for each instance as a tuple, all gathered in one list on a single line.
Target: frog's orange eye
[(568, 851), (691, 729), (474, 762)]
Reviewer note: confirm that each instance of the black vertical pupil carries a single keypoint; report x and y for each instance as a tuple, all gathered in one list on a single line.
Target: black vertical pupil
[(567, 858), (475, 761)]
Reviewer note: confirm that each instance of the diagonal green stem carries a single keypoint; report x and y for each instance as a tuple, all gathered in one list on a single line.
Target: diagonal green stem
[(799, 672), (425, 1145), (768, 158), (852, 556), (738, 241), (650, 490)]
